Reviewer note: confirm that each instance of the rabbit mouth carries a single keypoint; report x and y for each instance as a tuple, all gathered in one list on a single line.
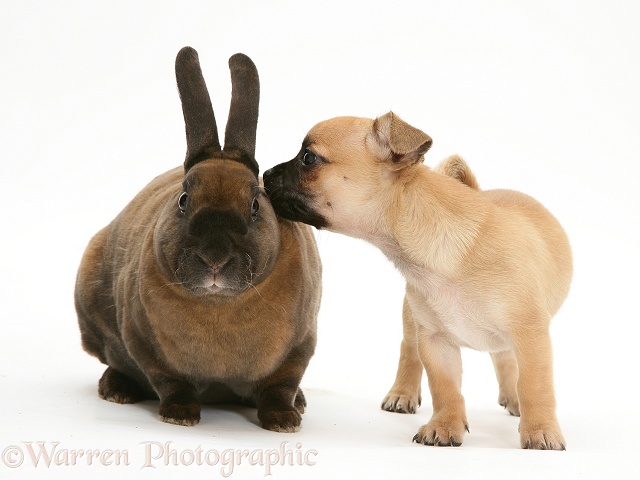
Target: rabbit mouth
[(222, 285), (211, 285), (213, 280), (203, 277), (216, 284)]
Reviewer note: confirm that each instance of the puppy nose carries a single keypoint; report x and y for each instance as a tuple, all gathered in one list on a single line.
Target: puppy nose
[(267, 173)]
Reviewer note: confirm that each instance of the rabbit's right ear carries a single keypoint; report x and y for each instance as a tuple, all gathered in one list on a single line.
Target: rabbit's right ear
[(200, 122)]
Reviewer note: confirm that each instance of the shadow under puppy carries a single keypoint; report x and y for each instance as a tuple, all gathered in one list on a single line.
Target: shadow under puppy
[(197, 292), (484, 269)]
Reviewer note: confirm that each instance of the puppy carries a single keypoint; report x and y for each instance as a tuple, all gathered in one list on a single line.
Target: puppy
[(484, 269)]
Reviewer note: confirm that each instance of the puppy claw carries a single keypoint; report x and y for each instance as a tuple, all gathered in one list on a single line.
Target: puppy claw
[(441, 434), (451, 442), (454, 443), (401, 403), (510, 405), (549, 438), (417, 438)]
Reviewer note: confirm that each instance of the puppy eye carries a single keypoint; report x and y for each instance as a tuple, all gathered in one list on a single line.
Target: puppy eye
[(182, 202), (255, 206), (309, 158)]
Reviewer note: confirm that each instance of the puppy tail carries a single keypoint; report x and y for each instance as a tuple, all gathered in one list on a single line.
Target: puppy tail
[(455, 167)]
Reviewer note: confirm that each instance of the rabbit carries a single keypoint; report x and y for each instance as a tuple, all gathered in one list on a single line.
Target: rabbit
[(196, 293)]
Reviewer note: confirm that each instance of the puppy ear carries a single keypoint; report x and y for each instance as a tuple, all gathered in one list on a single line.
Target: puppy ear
[(395, 141)]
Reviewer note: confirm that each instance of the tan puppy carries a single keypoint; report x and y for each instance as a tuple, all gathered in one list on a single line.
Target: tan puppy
[(484, 269)]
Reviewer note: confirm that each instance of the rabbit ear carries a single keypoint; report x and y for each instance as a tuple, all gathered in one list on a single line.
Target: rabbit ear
[(240, 133), (200, 122)]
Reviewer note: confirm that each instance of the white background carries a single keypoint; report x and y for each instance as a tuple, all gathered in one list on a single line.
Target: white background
[(537, 96)]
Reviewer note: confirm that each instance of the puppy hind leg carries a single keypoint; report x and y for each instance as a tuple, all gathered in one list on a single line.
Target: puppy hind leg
[(539, 428), (506, 367), (405, 394), (443, 363)]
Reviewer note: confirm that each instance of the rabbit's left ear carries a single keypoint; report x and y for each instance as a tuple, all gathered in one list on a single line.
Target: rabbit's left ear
[(240, 133), (200, 122)]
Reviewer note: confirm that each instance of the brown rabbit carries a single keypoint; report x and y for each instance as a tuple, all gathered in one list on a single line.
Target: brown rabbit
[(197, 292)]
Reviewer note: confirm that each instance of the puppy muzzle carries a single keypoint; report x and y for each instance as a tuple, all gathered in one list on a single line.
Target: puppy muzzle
[(288, 197)]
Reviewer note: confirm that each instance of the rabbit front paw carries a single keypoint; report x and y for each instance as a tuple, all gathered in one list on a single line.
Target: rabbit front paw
[(285, 420), (300, 402), (118, 388), (180, 409)]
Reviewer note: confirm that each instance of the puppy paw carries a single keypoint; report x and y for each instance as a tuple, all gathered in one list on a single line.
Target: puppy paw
[(510, 403), (399, 403), (180, 410), (285, 420), (541, 437), (442, 433)]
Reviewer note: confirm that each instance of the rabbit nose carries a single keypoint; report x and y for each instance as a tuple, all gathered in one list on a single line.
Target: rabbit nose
[(267, 173), (217, 264)]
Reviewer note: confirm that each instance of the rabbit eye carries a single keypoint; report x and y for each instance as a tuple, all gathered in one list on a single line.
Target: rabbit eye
[(182, 202), (255, 206), (309, 158)]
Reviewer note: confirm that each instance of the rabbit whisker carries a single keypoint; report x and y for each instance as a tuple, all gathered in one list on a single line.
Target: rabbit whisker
[(165, 286), (255, 288)]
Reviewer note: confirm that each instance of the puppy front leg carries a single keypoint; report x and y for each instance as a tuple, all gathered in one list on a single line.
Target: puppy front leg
[(539, 428), (404, 396), (443, 363)]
